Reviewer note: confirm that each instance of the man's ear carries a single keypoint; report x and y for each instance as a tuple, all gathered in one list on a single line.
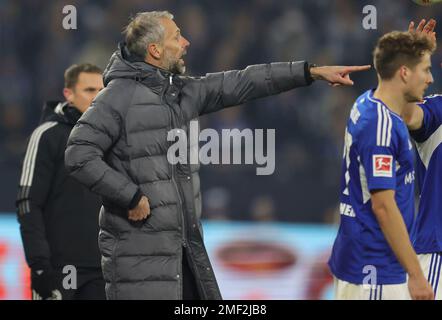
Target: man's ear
[(155, 50), (404, 73), (68, 94)]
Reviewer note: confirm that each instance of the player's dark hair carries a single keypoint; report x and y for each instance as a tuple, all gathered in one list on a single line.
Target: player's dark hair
[(73, 72), (396, 49)]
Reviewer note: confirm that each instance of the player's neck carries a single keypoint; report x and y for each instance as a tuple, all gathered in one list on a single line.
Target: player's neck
[(391, 97)]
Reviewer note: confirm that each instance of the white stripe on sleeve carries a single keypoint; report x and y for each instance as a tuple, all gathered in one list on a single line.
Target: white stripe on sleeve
[(378, 133), (31, 153)]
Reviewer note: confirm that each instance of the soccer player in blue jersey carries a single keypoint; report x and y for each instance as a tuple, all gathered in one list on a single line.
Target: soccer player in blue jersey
[(372, 254), (424, 120)]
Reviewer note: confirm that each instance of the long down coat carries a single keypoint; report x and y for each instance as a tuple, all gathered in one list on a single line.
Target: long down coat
[(119, 148)]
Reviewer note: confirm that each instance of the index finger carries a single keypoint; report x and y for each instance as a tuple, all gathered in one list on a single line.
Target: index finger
[(356, 68)]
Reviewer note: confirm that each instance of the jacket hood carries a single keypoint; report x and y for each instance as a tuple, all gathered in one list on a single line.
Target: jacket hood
[(123, 64), (60, 111)]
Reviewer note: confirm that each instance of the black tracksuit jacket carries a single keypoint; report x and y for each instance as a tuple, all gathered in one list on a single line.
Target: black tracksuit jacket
[(58, 216)]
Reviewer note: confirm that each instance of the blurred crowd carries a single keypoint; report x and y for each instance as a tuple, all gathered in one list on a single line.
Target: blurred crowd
[(229, 34)]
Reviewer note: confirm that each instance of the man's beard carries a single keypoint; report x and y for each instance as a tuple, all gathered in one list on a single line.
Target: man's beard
[(174, 65)]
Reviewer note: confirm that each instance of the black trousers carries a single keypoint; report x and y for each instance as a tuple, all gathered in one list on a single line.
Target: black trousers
[(190, 289)]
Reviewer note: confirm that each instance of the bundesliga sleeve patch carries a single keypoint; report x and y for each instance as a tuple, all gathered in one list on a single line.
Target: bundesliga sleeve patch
[(382, 165)]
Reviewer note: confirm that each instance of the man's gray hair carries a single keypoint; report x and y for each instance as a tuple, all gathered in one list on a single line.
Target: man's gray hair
[(143, 29)]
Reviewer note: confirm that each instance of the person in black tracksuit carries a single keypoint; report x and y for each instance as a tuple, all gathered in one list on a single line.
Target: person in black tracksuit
[(58, 216)]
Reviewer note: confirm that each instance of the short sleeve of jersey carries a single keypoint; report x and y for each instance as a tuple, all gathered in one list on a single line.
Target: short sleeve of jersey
[(432, 108), (378, 150)]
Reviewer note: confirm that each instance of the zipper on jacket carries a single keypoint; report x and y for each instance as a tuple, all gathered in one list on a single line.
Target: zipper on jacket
[(185, 237), (180, 202), (174, 180)]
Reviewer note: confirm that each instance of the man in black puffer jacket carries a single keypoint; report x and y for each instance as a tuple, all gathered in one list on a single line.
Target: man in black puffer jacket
[(151, 239), (58, 216)]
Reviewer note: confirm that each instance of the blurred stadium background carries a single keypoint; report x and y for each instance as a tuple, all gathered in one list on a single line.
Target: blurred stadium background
[(283, 224)]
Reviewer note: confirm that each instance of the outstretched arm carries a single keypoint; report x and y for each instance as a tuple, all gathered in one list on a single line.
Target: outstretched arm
[(230, 88)]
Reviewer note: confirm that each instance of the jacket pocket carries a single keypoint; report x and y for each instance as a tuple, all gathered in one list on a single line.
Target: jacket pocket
[(107, 243)]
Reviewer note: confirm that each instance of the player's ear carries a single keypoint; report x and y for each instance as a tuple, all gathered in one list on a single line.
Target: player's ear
[(404, 73), (68, 94)]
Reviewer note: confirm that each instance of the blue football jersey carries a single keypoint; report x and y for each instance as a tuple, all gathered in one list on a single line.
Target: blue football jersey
[(428, 237), (378, 155)]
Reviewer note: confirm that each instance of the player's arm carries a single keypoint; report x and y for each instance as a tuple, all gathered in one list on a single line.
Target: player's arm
[(378, 145), (413, 116), (424, 119), (393, 227)]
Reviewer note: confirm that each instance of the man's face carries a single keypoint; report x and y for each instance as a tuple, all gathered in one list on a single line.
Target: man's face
[(419, 80), (87, 87), (174, 48)]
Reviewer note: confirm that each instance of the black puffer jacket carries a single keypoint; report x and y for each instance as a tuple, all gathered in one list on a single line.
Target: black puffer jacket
[(118, 149)]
